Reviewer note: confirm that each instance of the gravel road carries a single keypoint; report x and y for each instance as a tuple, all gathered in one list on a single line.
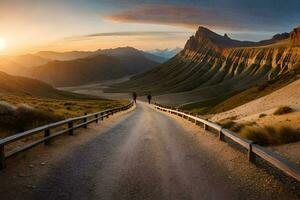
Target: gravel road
[(140, 154)]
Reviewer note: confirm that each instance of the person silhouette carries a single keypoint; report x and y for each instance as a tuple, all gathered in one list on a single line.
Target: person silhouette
[(149, 97), (134, 96)]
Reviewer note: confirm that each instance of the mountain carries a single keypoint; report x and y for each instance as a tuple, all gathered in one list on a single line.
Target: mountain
[(94, 68), (65, 56), (165, 53), (10, 66), (212, 66), (73, 55), (130, 51), (29, 60), (18, 65), (154, 58)]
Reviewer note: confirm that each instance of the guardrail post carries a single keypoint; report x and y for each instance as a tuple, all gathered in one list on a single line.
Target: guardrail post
[(2, 157), (84, 121), (107, 114), (221, 135), (47, 134), (70, 126), (205, 127), (102, 116), (97, 118), (251, 155)]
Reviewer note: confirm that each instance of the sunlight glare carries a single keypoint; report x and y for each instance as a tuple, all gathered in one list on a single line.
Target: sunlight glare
[(2, 43)]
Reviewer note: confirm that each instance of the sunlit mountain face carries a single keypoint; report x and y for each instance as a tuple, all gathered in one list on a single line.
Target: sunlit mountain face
[(30, 26)]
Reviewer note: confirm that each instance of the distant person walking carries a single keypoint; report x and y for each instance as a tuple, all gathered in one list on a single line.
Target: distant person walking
[(134, 96), (149, 97)]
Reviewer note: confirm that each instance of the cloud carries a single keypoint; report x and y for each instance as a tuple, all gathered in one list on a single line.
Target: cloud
[(127, 33), (186, 16)]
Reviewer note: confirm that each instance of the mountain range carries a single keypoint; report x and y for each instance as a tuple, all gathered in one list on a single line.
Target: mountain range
[(212, 66), (107, 65), (80, 67)]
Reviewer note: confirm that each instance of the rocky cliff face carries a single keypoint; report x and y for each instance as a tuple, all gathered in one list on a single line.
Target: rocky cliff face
[(295, 37), (211, 65), (268, 58)]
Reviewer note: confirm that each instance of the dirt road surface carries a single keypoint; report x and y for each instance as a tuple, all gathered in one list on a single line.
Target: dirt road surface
[(138, 154)]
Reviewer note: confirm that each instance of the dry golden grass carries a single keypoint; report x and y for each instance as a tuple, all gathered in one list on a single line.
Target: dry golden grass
[(263, 135), (19, 113), (271, 135)]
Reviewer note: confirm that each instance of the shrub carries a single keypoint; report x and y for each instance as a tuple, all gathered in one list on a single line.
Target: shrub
[(270, 135), (262, 115), (6, 108), (234, 126), (228, 124), (18, 119), (283, 110)]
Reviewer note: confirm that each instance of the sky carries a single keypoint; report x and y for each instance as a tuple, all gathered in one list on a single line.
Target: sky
[(63, 25)]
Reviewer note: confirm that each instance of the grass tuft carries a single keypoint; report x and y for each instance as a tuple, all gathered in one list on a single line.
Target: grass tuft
[(263, 135), (270, 135), (262, 115), (6, 108), (283, 110)]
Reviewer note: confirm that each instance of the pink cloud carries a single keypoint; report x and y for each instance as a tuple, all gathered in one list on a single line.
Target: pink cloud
[(186, 16)]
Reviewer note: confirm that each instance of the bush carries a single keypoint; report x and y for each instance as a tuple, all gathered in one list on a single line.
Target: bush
[(234, 126), (6, 108), (270, 135), (262, 115), (283, 110), (228, 124)]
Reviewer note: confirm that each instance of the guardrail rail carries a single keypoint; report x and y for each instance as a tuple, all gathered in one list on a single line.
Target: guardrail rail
[(276, 160), (71, 123)]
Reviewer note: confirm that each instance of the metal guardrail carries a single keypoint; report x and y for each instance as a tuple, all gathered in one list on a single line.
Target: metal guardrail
[(48, 135), (281, 163)]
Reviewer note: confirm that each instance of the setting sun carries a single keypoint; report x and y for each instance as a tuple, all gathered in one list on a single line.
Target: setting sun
[(2, 43)]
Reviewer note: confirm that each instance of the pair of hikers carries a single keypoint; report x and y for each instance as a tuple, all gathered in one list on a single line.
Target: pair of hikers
[(134, 96)]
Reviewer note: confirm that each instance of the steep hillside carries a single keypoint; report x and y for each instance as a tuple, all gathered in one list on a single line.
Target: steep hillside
[(27, 103), (17, 85), (286, 96), (213, 66), (91, 69)]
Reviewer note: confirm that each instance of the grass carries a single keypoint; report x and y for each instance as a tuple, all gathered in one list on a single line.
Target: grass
[(271, 135), (263, 135), (235, 126), (20, 113), (233, 100), (283, 110), (204, 107)]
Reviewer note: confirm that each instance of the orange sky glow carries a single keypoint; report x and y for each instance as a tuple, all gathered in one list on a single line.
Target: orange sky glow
[(29, 25)]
